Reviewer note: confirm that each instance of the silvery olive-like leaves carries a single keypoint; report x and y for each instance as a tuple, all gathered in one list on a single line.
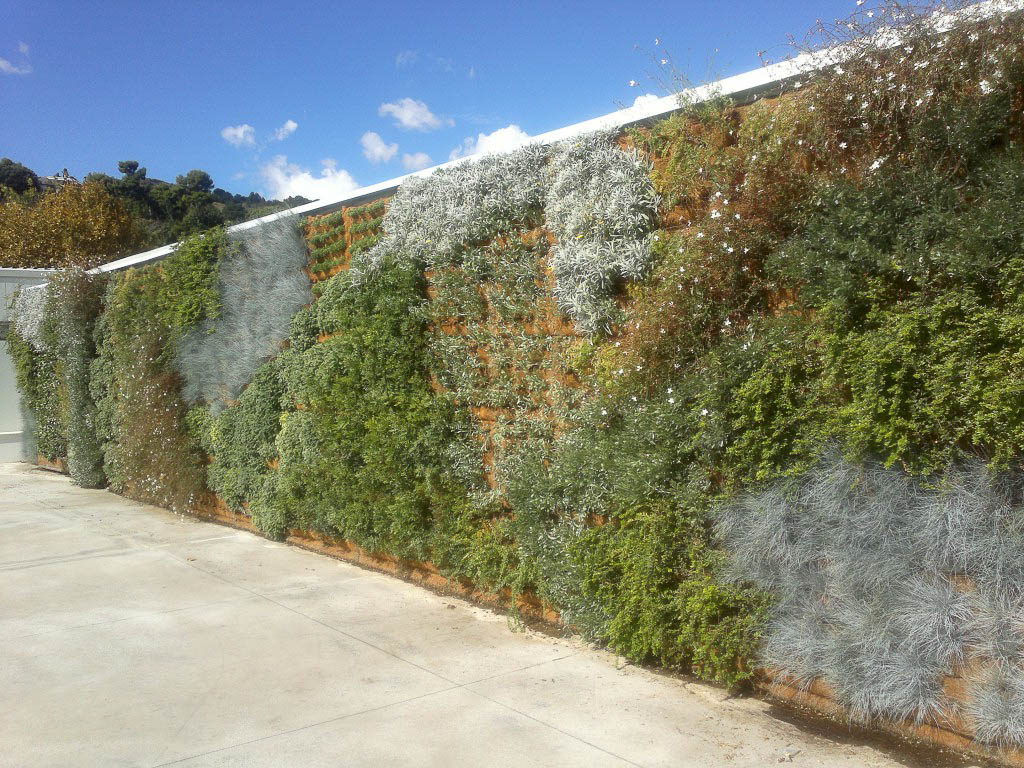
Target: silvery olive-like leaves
[(886, 584), (597, 199), (432, 221), (601, 207), (262, 286)]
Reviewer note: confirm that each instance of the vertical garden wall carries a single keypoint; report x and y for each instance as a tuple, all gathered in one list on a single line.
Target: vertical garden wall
[(743, 387)]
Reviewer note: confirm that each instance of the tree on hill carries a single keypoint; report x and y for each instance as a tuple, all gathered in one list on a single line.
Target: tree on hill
[(16, 177), (77, 225), (163, 212)]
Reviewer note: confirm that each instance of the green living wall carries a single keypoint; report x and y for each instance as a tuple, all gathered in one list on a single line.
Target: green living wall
[(743, 386)]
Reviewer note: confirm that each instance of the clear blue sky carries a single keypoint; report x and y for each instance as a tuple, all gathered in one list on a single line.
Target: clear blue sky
[(262, 94)]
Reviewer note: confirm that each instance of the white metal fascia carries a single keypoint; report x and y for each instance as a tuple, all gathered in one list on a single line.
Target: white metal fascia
[(20, 273), (745, 84)]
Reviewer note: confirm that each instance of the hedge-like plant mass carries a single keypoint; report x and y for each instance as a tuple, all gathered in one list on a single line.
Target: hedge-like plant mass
[(741, 387)]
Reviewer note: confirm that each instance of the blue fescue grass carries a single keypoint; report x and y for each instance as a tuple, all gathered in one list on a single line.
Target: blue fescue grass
[(262, 286)]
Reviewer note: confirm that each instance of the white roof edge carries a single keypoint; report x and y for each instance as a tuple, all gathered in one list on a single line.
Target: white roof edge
[(746, 82), (18, 272)]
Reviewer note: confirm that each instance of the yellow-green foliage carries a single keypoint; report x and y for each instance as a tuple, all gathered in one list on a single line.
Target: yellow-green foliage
[(80, 225)]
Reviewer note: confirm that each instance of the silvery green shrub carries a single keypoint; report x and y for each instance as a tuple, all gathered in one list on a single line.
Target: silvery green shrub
[(597, 199), (28, 308)]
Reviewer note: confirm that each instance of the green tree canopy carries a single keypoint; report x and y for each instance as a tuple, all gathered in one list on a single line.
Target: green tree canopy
[(16, 177)]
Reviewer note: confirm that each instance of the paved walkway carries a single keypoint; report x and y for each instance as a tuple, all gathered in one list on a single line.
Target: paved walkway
[(132, 637)]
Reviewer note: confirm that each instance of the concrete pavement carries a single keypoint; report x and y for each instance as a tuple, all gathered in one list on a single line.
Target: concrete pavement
[(133, 637)]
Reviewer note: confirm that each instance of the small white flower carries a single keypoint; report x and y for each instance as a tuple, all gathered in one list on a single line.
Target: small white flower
[(671, 400), (985, 86), (604, 412), (704, 412), (670, 390), (842, 145)]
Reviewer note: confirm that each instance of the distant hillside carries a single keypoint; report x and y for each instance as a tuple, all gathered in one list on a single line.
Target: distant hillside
[(165, 212)]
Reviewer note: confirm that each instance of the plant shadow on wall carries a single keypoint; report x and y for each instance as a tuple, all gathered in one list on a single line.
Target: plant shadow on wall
[(553, 371)]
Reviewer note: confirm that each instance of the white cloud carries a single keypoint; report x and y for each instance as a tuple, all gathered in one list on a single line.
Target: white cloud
[(285, 179), (286, 130), (7, 68), (237, 135), (10, 69), (413, 115), (645, 100), (374, 148), (502, 140), (472, 73), (416, 161), (405, 58)]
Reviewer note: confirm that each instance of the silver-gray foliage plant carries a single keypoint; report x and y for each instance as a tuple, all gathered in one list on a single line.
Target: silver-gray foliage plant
[(28, 310), (601, 207), (886, 584), (597, 199), (262, 285)]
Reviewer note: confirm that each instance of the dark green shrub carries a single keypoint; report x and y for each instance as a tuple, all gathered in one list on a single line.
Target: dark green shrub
[(72, 307), (368, 457), (36, 375), (242, 446)]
